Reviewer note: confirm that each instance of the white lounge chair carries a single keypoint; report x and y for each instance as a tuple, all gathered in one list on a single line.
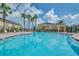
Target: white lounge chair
[(14, 30), (5, 31)]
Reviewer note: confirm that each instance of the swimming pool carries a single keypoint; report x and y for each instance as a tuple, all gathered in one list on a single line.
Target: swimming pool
[(37, 44)]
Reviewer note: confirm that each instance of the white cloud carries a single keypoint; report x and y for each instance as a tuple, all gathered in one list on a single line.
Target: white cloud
[(51, 17), (18, 8), (15, 14), (71, 19), (33, 10), (39, 21), (27, 8)]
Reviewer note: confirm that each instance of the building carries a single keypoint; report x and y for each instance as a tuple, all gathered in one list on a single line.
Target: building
[(51, 27), (76, 28), (9, 24)]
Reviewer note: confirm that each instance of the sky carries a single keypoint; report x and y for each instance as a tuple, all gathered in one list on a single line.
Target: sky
[(52, 12), (47, 12), (59, 8)]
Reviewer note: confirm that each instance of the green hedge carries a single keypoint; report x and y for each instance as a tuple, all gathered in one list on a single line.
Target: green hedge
[(1, 30), (11, 29)]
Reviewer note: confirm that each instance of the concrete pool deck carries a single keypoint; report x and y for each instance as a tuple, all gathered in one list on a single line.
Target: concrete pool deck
[(66, 33), (4, 35), (76, 36)]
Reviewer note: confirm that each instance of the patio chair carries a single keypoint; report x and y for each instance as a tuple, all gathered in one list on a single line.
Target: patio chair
[(14, 30), (5, 31)]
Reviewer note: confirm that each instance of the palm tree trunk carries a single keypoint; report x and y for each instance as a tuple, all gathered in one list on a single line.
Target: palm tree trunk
[(28, 24), (32, 26), (3, 22), (24, 24), (72, 28), (35, 25)]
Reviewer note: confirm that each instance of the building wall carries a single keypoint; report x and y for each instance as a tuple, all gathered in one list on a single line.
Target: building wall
[(8, 24), (55, 27), (47, 27), (1, 23)]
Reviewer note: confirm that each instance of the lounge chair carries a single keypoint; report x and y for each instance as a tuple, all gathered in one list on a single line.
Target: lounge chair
[(14, 30), (5, 31)]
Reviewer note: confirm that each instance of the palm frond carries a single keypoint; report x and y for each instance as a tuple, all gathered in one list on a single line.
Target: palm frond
[(23, 15), (29, 16), (10, 12)]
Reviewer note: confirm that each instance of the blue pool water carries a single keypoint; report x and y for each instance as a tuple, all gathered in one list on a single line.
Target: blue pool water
[(37, 44)]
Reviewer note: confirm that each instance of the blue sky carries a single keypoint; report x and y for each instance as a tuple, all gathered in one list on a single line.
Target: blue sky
[(47, 12), (69, 12), (60, 8)]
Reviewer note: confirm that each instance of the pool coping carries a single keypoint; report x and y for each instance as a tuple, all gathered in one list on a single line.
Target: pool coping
[(66, 33), (75, 36), (8, 35)]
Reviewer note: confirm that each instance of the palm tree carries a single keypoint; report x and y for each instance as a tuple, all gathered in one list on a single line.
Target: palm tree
[(23, 15), (60, 22), (34, 19), (5, 11), (29, 19)]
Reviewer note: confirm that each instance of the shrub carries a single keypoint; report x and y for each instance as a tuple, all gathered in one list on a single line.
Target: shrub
[(11, 29), (1, 30), (17, 29)]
